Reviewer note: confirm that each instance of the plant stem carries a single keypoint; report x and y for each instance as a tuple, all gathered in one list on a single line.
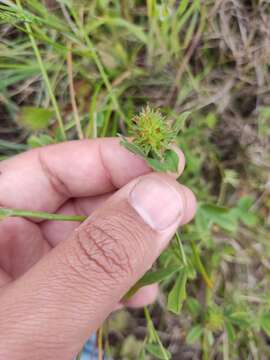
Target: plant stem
[(100, 349), (5, 212), (44, 74), (181, 248), (200, 266), (72, 93), (155, 334)]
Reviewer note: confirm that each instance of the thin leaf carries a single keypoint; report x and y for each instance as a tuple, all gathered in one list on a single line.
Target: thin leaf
[(171, 160), (37, 141), (180, 122), (243, 212), (142, 355), (220, 216), (152, 277), (230, 331), (194, 334), (240, 318), (182, 6), (156, 165), (155, 350), (265, 322), (214, 210), (8, 145), (132, 147), (194, 306), (245, 202), (135, 30), (178, 293)]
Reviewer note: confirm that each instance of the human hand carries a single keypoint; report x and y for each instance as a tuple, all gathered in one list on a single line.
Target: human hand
[(60, 280)]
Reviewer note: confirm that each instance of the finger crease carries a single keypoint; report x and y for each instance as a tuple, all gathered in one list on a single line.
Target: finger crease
[(106, 235), (93, 258), (57, 184), (105, 168)]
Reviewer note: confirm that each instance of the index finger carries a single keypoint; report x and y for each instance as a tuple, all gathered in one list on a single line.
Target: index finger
[(44, 178)]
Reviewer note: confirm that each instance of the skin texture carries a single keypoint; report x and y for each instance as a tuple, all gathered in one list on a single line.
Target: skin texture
[(60, 280)]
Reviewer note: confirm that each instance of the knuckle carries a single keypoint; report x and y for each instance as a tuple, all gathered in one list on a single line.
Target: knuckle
[(110, 245)]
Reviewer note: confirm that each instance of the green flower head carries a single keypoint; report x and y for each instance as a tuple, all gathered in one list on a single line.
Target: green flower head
[(151, 132), (152, 139)]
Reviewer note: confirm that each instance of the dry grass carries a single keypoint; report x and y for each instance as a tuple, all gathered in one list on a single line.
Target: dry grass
[(214, 64)]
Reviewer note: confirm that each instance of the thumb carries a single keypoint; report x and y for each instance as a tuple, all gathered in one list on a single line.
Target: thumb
[(50, 311)]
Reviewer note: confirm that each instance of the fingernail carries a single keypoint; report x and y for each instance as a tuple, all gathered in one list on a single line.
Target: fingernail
[(157, 202)]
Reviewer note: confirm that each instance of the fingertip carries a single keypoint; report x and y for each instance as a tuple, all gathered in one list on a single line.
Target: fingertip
[(180, 204), (190, 204)]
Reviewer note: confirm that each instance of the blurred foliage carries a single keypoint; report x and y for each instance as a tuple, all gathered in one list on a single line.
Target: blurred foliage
[(210, 58)]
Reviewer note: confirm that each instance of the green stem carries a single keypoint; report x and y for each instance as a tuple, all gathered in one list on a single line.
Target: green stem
[(222, 193), (205, 346), (155, 334), (181, 248), (200, 266), (5, 212), (100, 344), (44, 74)]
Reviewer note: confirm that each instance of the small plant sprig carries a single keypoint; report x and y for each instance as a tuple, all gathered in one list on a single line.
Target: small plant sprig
[(152, 139)]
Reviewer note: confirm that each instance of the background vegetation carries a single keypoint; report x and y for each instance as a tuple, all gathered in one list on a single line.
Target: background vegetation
[(72, 69)]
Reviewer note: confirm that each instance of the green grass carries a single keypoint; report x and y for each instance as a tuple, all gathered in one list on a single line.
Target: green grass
[(209, 58)]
